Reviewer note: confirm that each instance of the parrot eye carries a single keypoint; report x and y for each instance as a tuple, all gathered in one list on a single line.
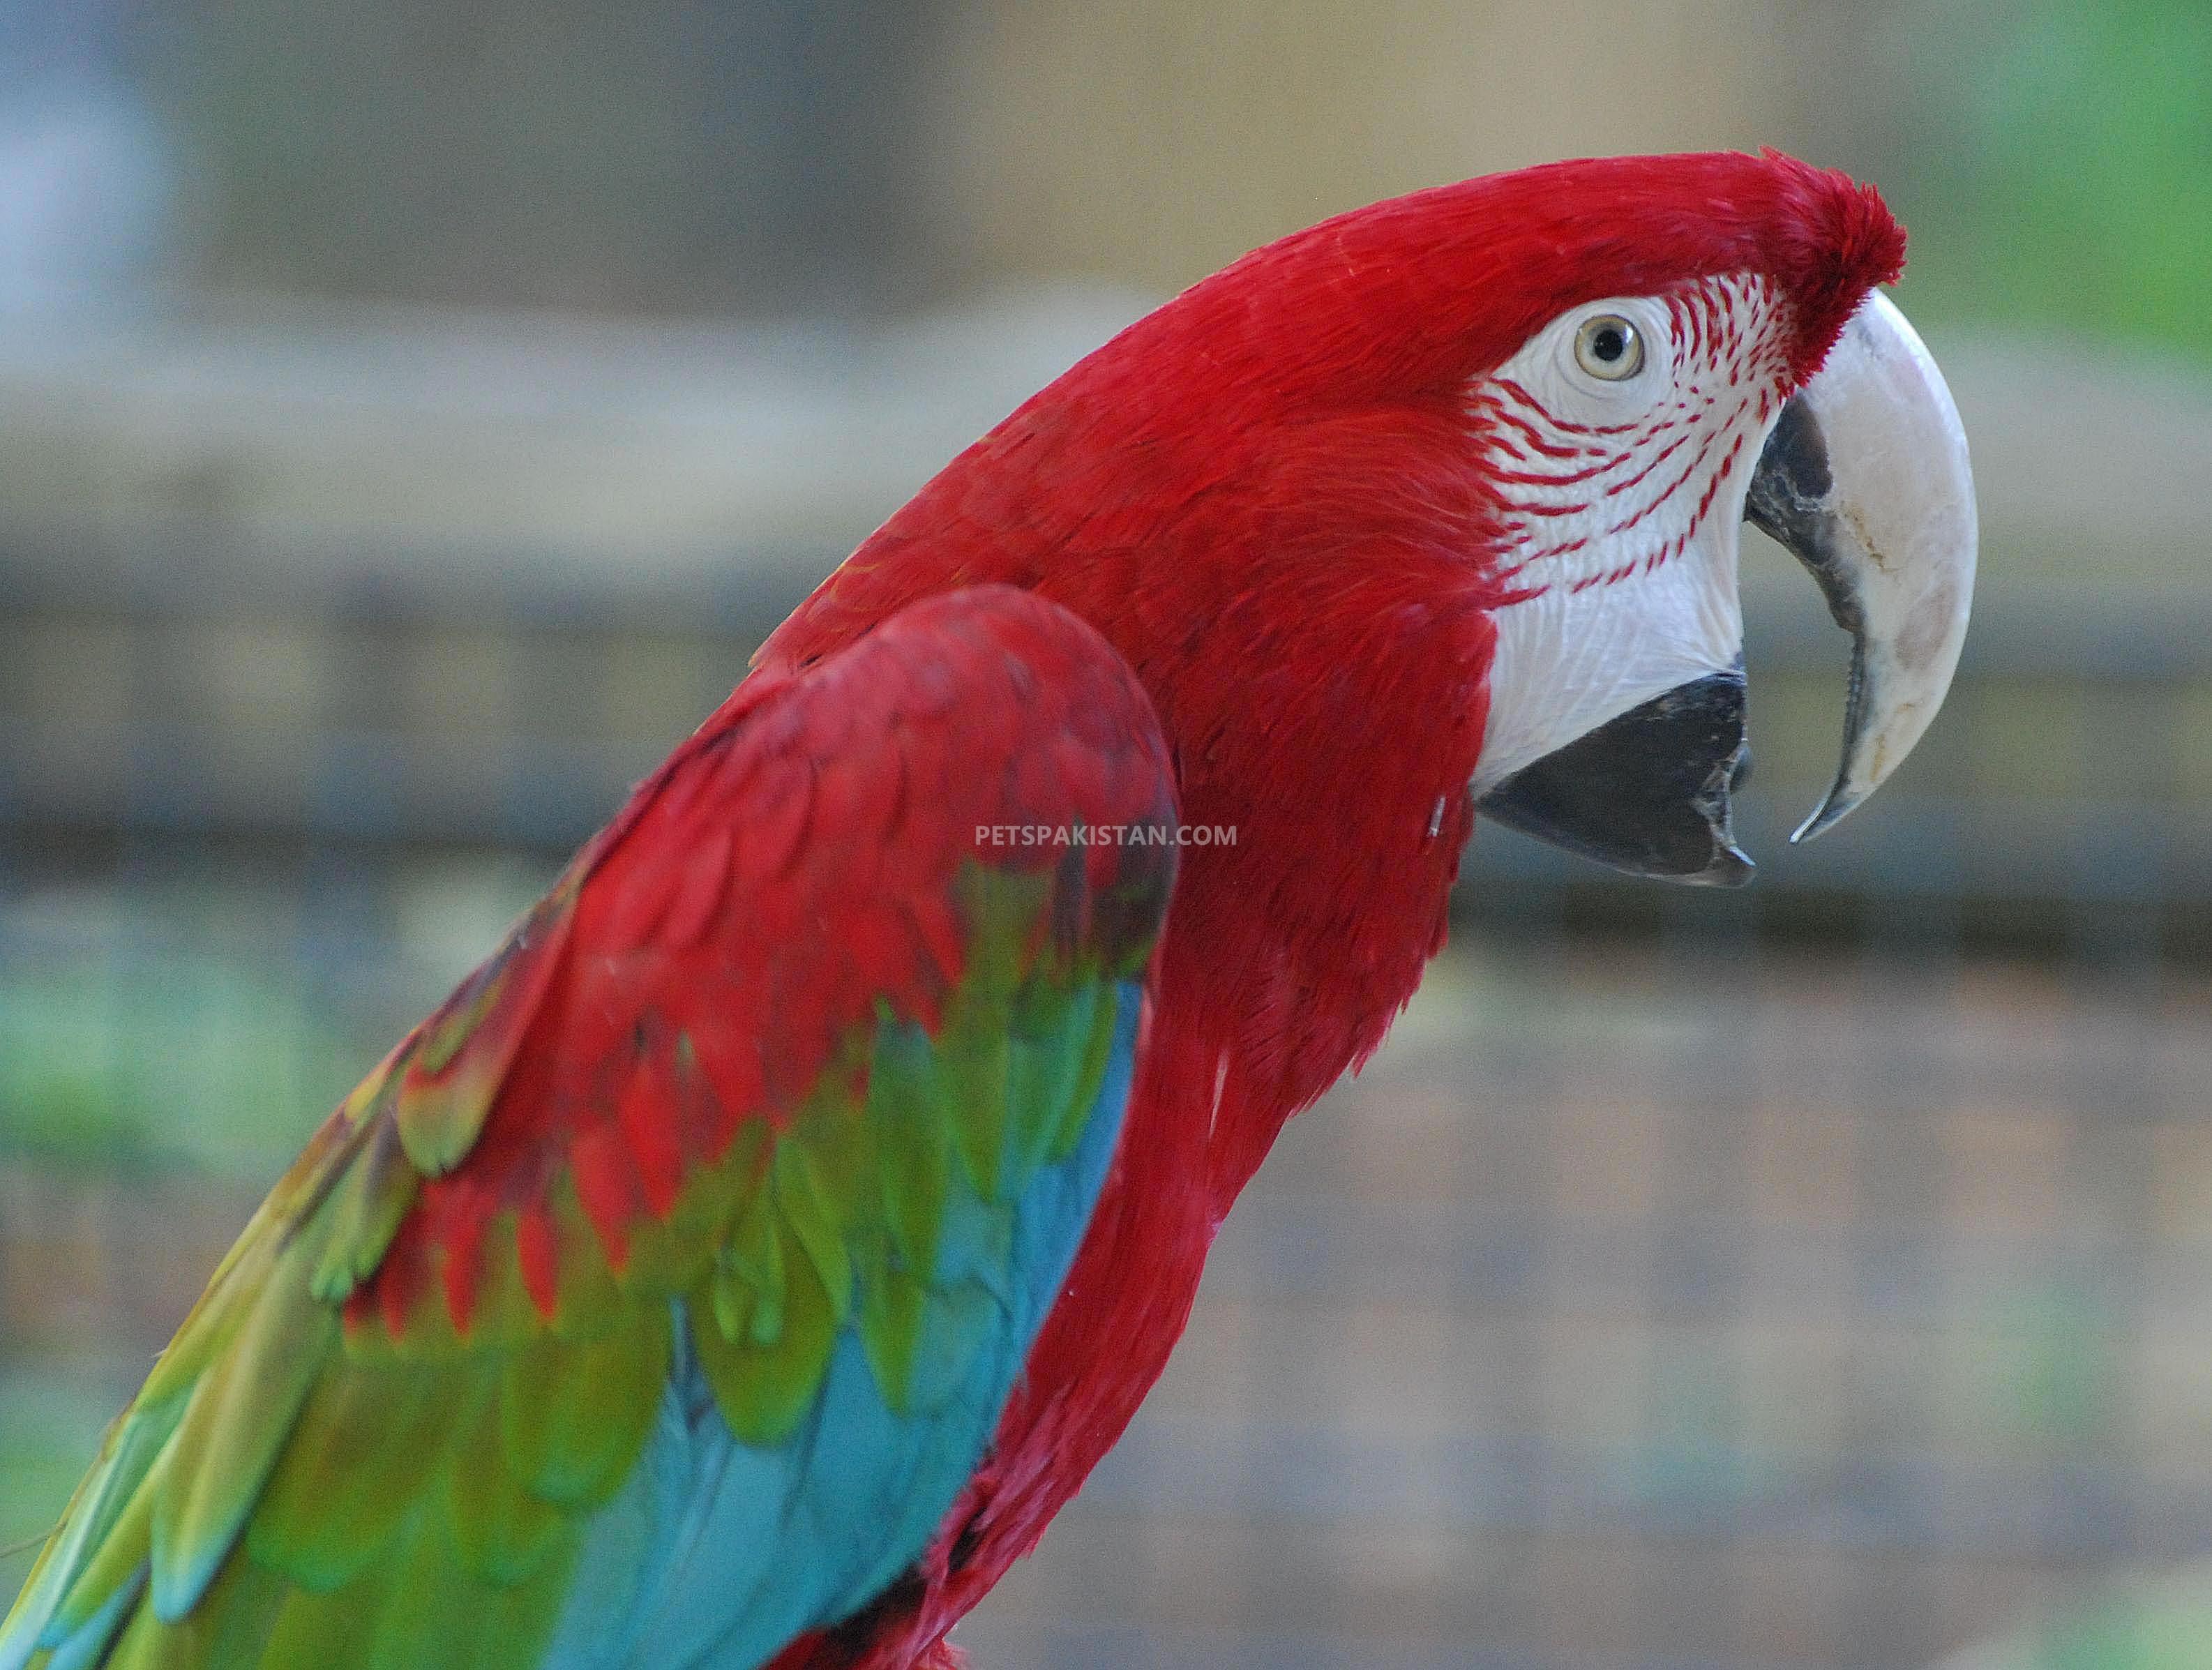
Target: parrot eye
[(1609, 346)]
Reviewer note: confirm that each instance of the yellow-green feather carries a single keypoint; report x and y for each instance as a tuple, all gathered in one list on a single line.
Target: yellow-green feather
[(349, 1478), (852, 1220), (574, 1414)]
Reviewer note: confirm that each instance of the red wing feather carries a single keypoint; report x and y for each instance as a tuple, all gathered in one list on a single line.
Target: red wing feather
[(559, 1062)]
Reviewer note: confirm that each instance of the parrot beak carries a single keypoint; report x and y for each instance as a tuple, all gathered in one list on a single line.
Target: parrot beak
[(1865, 479)]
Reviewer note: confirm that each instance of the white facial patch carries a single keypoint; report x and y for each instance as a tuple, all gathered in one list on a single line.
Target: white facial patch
[(1623, 492)]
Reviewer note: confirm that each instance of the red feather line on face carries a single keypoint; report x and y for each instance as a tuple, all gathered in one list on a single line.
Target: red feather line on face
[(1730, 357)]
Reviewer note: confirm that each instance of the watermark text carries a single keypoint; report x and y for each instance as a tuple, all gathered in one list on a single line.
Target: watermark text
[(1105, 834)]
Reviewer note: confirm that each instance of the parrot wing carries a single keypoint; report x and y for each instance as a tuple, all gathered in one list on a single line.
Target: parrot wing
[(653, 1300)]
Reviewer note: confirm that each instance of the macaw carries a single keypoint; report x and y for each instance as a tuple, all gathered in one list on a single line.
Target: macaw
[(746, 1262)]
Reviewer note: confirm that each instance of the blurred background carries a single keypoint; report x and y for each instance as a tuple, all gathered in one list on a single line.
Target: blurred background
[(412, 414)]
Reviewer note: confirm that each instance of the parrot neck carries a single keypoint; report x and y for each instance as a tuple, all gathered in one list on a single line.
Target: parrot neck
[(1344, 777)]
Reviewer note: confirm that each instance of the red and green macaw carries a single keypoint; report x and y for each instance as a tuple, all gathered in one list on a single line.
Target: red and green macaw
[(743, 1266)]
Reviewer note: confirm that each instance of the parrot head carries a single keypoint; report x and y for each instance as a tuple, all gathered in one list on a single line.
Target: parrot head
[(1719, 359), (1450, 488)]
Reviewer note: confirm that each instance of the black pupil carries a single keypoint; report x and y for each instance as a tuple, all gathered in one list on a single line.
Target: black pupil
[(1609, 344)]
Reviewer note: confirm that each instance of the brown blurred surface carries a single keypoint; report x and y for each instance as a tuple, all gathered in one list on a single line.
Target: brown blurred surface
[(1154, 140)]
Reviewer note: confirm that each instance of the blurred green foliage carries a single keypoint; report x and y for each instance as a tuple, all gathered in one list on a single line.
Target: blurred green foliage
[(2051, 1363), (167, 1059), (2165, 1632), (2054, 162), (131, 1053), (2164, 1629), (207, 1021), (48, 1425)]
